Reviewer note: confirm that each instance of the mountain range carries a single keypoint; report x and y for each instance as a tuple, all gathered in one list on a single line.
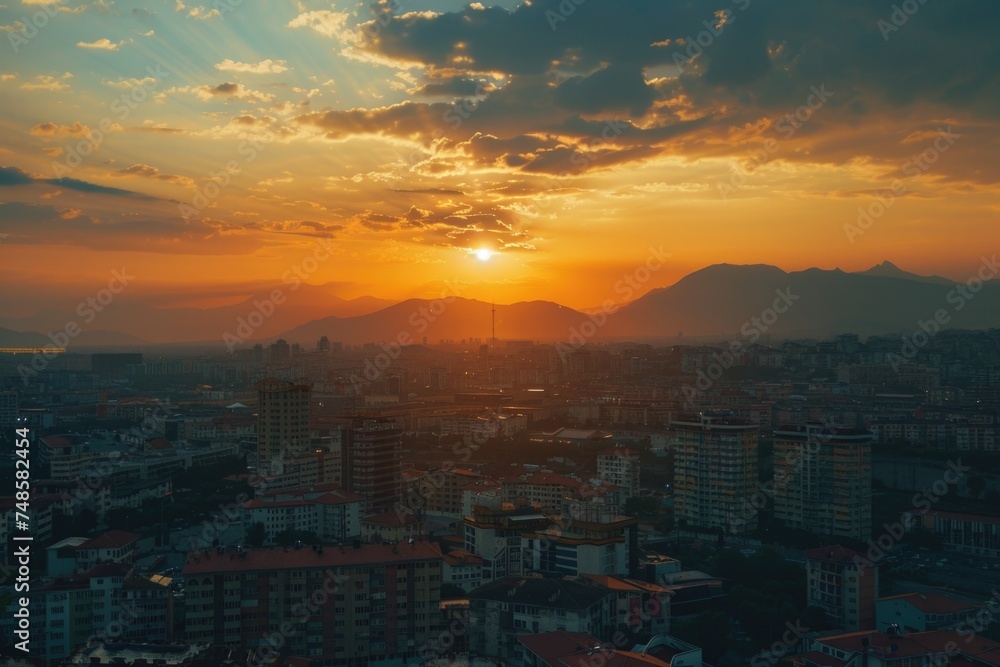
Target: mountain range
[(720, 302)]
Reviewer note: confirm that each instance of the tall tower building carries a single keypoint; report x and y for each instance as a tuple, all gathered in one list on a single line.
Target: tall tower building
[(371, 463), (282, 422), (823, 480), (715, 472)]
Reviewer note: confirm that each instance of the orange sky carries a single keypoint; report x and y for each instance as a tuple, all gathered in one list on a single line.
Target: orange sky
[(220, 149)]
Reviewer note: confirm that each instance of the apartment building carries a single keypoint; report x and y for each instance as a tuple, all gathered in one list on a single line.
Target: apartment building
[(844, 584), (823, 480), (715, 472), (366, 604)]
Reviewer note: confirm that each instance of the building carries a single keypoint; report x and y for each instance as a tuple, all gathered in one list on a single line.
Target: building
[(844, 584), (344, 606), (78, 554), (8, 407), (584, 539), (114, 364), (640, 606), (105, 602), (392, 527), (40, 512), (282, 421), (332, 514), (70, 456), (573, 649), (823, 480), (496, 533), (372, 463), (974, 534), (463, 570), (715, 472), (440, 491), (922, 649), (502, 610), (620, 467), (549, 491), (920, 612)]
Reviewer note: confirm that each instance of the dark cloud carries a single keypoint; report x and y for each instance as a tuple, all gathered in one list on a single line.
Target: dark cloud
[(13, 176), (34, 224)]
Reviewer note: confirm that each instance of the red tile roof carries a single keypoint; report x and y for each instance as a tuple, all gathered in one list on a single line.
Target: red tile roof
[(567, 649), (280, 558), (110, 540), (919, 644), (932, 603)]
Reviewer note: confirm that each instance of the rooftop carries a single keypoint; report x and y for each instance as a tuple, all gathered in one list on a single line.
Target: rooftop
[(571, 593), (932, 603), (287, 558), (110, 540)]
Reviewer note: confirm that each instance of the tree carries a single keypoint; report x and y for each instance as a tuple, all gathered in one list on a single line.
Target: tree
[(976, 486), (639, 505), (256, 535), (287, 538)]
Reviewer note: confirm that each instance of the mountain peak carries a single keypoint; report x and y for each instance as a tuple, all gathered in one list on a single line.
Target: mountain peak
[(889, 270)]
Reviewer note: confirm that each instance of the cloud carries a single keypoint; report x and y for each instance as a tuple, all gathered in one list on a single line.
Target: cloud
[(30, 224), (224, 91), (147, 171), (50, 130), (102, 44), (263, 67), (13, 176), (49, 83), (325, 22)]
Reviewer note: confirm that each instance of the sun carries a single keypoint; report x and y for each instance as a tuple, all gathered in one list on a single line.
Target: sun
[(484, 254)]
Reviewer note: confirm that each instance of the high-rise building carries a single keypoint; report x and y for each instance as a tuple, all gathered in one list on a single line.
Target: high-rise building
[(323, 345), (715, 472), (823, 480), (282, 422), (844, 584), (372, 463)]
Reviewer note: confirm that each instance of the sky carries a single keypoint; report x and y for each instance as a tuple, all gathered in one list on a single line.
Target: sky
[(521, 150)]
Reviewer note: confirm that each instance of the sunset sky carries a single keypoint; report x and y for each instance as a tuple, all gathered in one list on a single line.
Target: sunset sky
[(519, 149)]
